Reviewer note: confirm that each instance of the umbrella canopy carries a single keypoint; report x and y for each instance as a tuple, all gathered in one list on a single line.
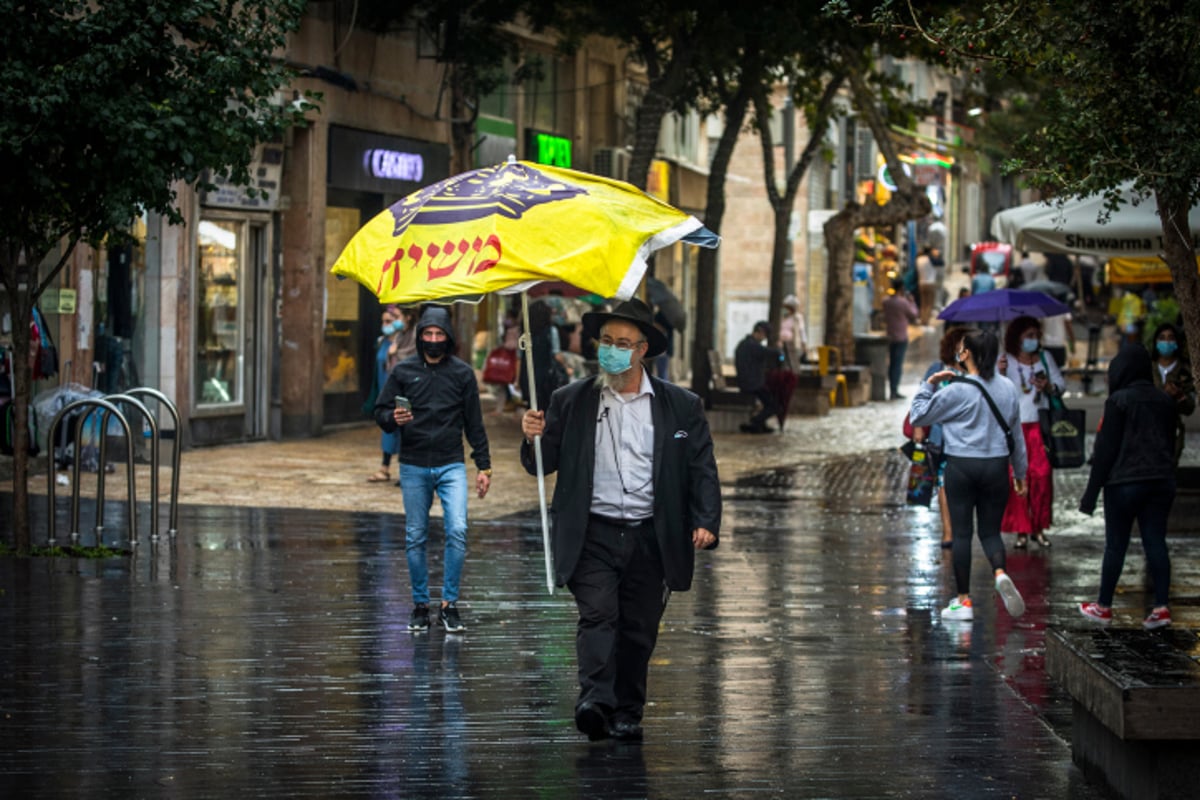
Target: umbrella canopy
[(668, 304), (1135, 229), (506, 228), (1002, 305)]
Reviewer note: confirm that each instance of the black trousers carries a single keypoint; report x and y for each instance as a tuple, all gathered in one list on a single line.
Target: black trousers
[(769, 407), (976, 489), (621, 593)]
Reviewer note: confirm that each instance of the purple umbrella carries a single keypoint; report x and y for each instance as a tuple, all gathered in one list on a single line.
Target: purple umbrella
[(1002, 305)]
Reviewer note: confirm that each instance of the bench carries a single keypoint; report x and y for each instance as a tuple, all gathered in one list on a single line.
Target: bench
[(1135, 724)]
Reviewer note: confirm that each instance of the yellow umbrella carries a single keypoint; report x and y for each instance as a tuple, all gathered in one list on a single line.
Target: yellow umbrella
[(507, 228)]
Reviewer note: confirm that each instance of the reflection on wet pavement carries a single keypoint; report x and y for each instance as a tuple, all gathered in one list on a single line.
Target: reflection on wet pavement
[(266, 653)]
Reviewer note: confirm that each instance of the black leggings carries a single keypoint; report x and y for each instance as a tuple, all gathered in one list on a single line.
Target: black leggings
[(976, 487)]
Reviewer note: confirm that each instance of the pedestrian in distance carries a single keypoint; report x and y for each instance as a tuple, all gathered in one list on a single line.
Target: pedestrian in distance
[(898, 311), (927, 285), (391, 323), (979, 416), (637, 493), (752, 358), (1171, 374), (1134, 463), (432, 398), (1038, 378), (933, 434)]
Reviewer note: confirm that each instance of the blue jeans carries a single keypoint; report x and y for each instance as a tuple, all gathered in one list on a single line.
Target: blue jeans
[(419, 484), (1149, 503)]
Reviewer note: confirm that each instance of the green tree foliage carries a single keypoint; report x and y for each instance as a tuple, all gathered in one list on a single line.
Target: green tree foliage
[(682, 44), (1118, 90), (105, 109)]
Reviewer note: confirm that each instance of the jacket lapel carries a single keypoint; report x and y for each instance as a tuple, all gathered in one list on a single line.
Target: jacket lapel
[(586, 427), (659, 417)]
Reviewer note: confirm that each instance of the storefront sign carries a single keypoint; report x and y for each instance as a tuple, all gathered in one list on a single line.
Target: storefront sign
[(371, 162), (57, 301), (547, 148), (392, 165), (265, 172)]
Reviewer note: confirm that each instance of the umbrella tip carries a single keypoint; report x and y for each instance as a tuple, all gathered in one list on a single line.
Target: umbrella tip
[(512, 159)]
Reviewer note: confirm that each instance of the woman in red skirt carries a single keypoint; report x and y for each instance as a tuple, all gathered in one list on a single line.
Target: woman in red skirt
[(1037, 377)]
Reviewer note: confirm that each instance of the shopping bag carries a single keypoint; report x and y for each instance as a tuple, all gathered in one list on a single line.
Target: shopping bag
[(500, 366), (922, 474), (1063, 432)]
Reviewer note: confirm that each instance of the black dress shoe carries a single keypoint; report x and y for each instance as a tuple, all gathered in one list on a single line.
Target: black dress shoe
[(625, 731), (591, 719)]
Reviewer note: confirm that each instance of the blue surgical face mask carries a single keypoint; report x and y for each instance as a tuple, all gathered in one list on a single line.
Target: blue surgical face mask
[(1029, 345), (1166, 348), (613, 359), (389, 329)]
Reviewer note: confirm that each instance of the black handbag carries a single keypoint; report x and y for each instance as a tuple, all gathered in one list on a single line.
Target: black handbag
[(1063, 431)]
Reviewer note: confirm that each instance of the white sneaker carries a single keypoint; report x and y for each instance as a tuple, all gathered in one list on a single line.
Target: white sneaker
[(1008, 592), (960, 611)]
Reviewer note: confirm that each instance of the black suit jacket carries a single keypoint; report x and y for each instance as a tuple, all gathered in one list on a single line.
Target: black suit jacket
[(687, 492)]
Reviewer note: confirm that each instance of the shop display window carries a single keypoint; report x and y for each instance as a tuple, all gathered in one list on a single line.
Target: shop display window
[(220, 315)]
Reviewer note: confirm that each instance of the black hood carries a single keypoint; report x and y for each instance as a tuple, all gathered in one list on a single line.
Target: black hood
[(436, 317), (1131, 364)]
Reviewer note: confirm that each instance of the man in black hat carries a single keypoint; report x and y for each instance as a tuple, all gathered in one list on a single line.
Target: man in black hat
[(637, 494)]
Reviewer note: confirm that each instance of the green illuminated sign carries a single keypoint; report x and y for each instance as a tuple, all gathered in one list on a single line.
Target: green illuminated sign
[(546, 148)]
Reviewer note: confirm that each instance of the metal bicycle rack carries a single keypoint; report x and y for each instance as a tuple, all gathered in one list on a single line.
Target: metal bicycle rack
[(125, 398), (109, 408), (108, 405), (146, 391)]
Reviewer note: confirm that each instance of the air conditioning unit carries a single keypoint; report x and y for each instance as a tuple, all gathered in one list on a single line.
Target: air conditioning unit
[(611, 162)]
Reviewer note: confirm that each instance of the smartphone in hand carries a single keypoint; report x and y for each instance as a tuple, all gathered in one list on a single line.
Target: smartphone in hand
[(403, 402)]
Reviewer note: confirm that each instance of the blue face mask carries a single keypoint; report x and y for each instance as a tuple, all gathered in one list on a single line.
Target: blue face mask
[(1029, 345), (1166, 348), (388, 329), (613, 359)]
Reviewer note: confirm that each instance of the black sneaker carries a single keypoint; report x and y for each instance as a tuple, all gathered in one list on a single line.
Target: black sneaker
[(449, 618), (418, 620)]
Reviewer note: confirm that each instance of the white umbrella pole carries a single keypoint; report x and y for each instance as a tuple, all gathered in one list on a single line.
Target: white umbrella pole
[(530, 385)]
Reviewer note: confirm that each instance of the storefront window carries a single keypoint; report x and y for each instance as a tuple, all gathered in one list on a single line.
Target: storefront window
[(219, 314), (341, 307)]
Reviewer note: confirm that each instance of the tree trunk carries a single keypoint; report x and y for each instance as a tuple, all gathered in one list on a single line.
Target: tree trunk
[(839, 285), (645, 136), (908, 202), (782, 205), (1181, 260), (781, 251), (706, 267), (22, 385)]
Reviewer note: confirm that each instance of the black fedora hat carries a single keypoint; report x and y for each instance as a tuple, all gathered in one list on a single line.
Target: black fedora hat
[(634, 311)]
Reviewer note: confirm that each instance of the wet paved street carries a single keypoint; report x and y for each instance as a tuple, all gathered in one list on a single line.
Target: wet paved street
[(265, 654)]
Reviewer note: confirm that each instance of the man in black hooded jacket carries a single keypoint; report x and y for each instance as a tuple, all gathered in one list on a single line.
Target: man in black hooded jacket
[(440, 403)]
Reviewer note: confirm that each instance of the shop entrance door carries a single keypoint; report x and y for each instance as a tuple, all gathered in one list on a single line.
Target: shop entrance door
[(233, 330)]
